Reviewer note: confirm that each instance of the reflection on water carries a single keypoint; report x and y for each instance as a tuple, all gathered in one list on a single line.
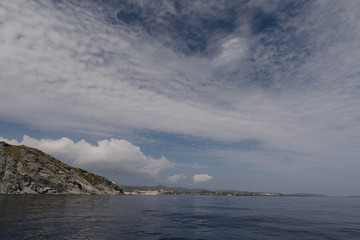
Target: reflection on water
[(177, 217)]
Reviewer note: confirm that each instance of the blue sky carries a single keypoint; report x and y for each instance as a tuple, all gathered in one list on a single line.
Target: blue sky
[(244, 95)]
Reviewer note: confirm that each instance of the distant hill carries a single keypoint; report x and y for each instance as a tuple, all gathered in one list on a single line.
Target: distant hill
[(164, 190), (25, 170)]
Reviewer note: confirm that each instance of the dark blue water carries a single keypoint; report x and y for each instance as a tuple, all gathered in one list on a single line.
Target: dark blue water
[(178, 217)]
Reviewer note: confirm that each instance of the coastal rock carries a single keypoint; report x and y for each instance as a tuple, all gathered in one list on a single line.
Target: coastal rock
[(25, 170)]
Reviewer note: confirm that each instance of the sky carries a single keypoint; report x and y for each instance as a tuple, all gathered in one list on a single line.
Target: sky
[(242, 95)]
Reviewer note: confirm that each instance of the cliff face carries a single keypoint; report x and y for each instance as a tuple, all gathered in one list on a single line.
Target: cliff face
[(28, 170)]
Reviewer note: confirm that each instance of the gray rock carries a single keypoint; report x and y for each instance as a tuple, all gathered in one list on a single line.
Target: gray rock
[(25, 170)]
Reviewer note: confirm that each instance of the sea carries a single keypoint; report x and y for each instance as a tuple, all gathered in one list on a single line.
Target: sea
[(178, 217)]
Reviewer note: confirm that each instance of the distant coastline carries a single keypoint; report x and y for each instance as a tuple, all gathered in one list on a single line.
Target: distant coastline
[(164, 190)]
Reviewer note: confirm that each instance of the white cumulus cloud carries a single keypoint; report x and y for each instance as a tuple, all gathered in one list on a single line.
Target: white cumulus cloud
[(175, 178), (112, 156), (201, 178)]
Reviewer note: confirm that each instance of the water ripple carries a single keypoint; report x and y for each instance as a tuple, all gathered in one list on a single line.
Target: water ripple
[(177, 217)]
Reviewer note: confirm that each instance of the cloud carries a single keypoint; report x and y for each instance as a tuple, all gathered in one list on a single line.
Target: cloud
[(175, 178), (112, 156), (292, 86), (199, 178), (231, 53)]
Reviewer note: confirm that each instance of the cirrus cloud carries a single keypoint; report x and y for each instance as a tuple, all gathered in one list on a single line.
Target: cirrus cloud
[(63, 67)]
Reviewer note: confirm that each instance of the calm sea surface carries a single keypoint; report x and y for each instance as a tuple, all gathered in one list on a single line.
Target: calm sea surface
[(178, 217)]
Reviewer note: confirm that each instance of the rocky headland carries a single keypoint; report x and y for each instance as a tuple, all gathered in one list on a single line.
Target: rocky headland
[(25, 170)]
